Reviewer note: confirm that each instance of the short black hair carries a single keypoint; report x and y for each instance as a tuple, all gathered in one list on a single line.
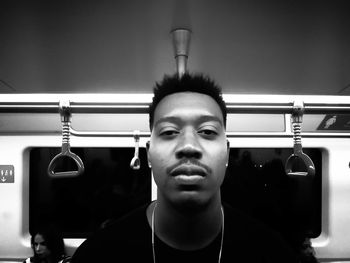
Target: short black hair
[(187, 83)]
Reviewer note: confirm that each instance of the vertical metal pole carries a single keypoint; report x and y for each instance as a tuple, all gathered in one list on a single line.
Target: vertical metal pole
[(181, 43)]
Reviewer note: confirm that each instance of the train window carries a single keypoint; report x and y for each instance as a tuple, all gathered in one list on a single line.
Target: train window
[(110, 122), (29, 122), (326, 123), (108, 189), (255, 122), (51, 122), (257, 184)]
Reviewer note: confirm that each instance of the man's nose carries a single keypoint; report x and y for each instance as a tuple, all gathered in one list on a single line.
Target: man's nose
[(188, 146)]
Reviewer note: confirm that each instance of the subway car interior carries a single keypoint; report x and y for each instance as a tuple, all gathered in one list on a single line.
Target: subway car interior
[(76, 80)]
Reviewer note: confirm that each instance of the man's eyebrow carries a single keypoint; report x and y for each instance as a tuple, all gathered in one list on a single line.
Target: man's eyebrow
[(172, 119), (202, 118), (205, 118)]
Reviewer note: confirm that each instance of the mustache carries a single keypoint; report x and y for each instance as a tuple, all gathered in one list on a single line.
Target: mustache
[(188, 166)]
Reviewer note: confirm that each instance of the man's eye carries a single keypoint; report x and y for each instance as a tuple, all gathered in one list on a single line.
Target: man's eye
[(168, 133), (208, 132)]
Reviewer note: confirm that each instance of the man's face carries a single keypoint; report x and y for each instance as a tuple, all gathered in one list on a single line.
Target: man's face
[(188, 150)]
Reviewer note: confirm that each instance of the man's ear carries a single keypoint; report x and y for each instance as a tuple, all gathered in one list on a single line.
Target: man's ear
[(228, 152), (148, 157)]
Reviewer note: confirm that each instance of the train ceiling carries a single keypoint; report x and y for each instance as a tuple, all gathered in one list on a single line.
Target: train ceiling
[(253, 47)]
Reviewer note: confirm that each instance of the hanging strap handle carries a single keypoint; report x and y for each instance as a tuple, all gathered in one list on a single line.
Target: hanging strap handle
[(135, 163), (298, 156), (64, 109)]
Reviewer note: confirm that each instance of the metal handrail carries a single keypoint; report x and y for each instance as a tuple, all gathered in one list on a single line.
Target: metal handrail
[(121, 107), (310, 108), (29, 107), (146, 134), (13, 105)]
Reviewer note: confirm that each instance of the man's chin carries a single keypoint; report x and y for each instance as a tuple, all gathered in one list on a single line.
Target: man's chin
[(190, 202)]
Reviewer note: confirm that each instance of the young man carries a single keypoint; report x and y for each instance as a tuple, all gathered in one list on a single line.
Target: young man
[(188, 153)]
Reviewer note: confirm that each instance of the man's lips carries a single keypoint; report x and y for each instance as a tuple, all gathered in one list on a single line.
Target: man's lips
[(188, 175), (188, 170)]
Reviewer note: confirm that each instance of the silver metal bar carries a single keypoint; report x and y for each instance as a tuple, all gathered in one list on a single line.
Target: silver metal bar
[(78, 107), (228, 134), (107, 134), (148, 134), (29, 107), (74, 108), (310, 108), (286, 135)]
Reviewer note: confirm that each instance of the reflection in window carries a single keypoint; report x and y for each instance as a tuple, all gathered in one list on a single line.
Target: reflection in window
[(256, 183), (326, 123), (108, 189)]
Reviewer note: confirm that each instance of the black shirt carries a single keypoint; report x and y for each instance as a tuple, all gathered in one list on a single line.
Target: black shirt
[(129, 240)]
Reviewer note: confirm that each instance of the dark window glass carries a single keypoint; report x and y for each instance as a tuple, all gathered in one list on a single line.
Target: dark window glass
[(256, 183), (108, 189)]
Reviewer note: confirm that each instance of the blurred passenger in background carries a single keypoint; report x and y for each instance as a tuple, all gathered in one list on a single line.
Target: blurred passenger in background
[(48, 246)]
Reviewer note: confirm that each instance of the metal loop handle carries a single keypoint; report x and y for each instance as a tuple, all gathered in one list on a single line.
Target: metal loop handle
[(64, 109), (298, 157), (135, 163)]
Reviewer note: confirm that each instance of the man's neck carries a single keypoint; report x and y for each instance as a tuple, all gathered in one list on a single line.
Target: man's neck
[(186, 230)]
